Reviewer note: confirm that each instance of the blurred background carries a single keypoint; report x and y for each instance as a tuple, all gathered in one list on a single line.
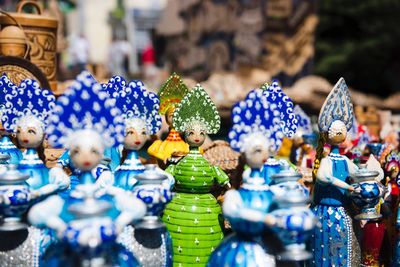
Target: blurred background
[(232, 46)]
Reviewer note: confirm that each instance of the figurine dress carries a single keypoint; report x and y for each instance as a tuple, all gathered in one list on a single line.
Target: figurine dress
[(334, 243), (172, 143), (194, 217), (330, 203)]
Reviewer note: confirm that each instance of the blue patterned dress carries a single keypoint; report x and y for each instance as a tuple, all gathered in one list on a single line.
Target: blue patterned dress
[(332, 244), (246, 212), (125, 173), (32, 165), (113, 154), (7, 147)]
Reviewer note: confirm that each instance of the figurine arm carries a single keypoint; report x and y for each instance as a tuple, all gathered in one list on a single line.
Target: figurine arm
[(221, 177), (59, 177), (233, 208), (46, 214), (324, 175), (171, 169), (106, 178), (131, 208)]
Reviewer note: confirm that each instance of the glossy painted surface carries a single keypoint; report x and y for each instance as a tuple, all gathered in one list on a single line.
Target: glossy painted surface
[(194, 217)]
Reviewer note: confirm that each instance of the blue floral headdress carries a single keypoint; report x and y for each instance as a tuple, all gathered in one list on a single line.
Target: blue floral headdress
[(85, 105), (7, 87), (279, 101), (28, 99), (136, 102), (337, 106), (255, 115), (304, 121), (114, 86)]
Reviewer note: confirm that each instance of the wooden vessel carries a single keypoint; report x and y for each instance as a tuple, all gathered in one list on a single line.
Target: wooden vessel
[(41, 33)]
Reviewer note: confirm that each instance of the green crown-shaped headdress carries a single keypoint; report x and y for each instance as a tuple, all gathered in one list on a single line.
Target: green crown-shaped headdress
[(171, 93), (197, 108)]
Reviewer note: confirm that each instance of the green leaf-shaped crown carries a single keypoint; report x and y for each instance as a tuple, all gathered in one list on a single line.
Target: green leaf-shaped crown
[(171, 93), (197, 108)]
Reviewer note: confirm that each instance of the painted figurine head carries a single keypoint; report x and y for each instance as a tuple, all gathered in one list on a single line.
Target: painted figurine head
[(257, 128), (170, 94), (392, 165), (336, 116), (196, 116), (27, 109), (140, 111), (85, 121)]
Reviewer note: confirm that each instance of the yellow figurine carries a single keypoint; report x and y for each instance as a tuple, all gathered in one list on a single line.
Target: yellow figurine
[(170, 94)]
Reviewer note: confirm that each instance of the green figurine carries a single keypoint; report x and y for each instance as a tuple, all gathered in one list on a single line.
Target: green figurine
[(194, 217)]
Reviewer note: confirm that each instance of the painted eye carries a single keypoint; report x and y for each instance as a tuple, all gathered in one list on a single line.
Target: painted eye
[(144, 133), (191, 133), (94, 151), (75, 152), (258, 150), (18, 131), (202, 134), (30, 131)]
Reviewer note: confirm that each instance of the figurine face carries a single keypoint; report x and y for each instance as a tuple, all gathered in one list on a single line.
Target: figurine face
[(256, 151), (30, 132), (135, 139), (86, 149), (30, 137), (195, 135), (168, 116), (337, 133)]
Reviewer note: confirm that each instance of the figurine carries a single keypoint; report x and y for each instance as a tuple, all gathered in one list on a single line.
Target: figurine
[(170, 94), (334, 244), (88, 221), (283, 119), (193, 217), (140, 112), (26, 111), (255, 132), (102, 172), (6, 145)]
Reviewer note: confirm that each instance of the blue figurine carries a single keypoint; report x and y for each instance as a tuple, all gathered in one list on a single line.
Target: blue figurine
[(140, 112), (256, 131), (102, 172), (6, 146), (26, 111), (334, 244), (89, 220), (281, 122)]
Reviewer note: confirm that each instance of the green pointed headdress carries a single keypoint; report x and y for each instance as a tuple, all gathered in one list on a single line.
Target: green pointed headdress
[(197, 108), (171, 93)]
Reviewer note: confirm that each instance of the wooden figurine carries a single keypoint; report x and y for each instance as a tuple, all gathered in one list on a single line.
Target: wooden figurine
[(170, 94), (193, 217), (334, 243)]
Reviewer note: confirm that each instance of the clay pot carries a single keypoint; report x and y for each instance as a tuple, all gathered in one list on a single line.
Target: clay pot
[(12, 42)]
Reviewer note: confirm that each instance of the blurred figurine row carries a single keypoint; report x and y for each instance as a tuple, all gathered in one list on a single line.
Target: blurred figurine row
[(331, 200)]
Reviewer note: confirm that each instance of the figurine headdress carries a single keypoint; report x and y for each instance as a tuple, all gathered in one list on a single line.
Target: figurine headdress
[(253, 118), (392, 161), (197, 108), (85, 105), (137, 103), (304, 121), (337, 107), (280, 102), (27, 104), (171, 93), (114, 86), (7, 87)]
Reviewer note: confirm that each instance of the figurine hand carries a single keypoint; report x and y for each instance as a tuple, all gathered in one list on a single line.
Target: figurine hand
[(270, 220)]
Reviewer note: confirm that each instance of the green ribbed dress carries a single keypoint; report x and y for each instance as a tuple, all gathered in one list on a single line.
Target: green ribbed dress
[(193, 217)]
